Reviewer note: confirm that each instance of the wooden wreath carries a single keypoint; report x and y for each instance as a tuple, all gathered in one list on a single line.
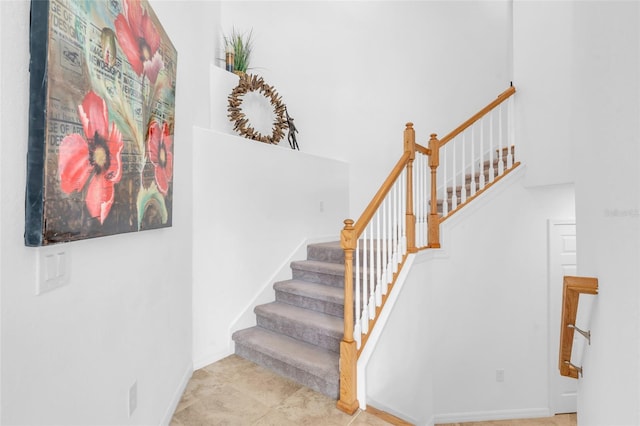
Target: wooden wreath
[(252, 83)]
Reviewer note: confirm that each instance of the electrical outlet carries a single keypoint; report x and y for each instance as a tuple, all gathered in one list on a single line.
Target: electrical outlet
[(499, 375), (133, 398), (321, 206)]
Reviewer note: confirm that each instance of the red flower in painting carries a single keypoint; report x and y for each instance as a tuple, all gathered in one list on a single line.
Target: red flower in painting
[(159, 144), (95, 159), (139, 40)]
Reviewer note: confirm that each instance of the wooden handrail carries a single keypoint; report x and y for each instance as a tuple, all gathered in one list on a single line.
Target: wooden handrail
[(377, 199), (501, 98), (572, 288), (422, 150)]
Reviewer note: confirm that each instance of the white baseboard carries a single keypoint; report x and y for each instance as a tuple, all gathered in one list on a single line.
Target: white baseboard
[(177, 396), (387, 409), (210, 358), (483, 416)]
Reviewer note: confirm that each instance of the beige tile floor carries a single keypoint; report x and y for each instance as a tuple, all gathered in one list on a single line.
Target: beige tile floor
[(234, 391)]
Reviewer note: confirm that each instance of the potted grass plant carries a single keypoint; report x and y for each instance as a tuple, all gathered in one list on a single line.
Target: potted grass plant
[(239, 46)]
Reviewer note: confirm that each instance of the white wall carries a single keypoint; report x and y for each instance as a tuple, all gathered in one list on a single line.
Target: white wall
[(353, 73), (542, 36), (468, 314), (606, 138), (399, 373), (254, 204), (70, 356)]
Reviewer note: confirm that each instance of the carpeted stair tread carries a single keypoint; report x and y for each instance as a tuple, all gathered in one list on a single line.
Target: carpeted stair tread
[(330, 252), (317, 297), (326, 324), (318, 291), (319, 266), (306, 364), (302, 324), (298, 336), (318, 272)]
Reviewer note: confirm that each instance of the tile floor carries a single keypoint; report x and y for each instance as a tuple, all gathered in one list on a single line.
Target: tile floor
[(234, 391)]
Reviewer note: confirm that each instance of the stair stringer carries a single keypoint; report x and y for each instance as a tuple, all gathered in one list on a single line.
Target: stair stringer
[(481, 200)]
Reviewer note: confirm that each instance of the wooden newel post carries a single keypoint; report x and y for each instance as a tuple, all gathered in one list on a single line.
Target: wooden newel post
[(434, 217), (348, 401), (410, 147)]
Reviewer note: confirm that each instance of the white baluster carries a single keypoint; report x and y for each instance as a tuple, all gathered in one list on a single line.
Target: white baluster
[(417, 211), (357, 329), (454, 196), (403, 209), (421, 199), (445, 203), (378, 261), (383, 208), (389, 237), (364, 312), (492, 172), (400, 220), (463, 171), (394, 238), (372, 277), (417, 187), (500, 153), (472, 187), (426, 193), (510, 138), (482, 182)]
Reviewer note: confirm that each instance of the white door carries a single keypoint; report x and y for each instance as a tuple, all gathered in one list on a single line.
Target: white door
[(562, 261)]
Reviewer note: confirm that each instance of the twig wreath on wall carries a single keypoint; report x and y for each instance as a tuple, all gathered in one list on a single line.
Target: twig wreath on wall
[(252, 83), (101, 121)]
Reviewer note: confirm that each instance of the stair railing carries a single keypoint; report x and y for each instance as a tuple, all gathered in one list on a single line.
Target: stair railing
[(476, 154), (376, 245), (572, 288), (404, 216)]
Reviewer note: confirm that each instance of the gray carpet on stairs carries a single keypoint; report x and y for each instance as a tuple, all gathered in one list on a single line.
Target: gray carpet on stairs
[(298, 335)]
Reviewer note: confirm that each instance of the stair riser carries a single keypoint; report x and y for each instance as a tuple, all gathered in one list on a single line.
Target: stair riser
[(300, 332), (336, 255), (329, 308), (318, 277), (326, 279), (326, 385)]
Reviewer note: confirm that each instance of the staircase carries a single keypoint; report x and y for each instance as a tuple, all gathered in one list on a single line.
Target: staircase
[(298, 335), (306, 334)]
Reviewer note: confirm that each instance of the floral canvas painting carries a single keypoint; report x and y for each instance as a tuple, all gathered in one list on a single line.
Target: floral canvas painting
[(102, 116)]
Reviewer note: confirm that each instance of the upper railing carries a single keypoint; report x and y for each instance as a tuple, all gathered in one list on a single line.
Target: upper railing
[(572, 288), (405, 214), (476, 154)]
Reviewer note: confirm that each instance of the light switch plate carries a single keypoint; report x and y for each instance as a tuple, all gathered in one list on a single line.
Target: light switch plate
[(53, 267)]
